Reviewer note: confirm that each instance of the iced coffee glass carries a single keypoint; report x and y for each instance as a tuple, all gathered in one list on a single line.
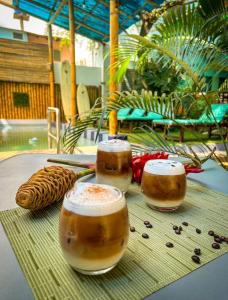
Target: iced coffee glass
[(163, 184), (93, 228), (114, 163)]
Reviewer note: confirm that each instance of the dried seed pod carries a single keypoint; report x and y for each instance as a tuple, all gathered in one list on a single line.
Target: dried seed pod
[(45, 187)]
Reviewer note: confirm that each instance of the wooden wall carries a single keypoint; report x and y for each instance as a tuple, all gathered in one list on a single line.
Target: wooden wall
[(23, 62), (39, 100)]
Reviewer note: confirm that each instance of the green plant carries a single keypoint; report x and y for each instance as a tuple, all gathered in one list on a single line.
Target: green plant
[(193, 44)]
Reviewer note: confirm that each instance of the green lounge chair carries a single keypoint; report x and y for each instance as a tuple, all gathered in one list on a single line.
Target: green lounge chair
[(151, 116), (219, 111), (123, 113), (136, 114)]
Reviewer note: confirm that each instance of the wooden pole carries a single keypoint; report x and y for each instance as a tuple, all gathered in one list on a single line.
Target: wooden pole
[(72, 61), (51, 67), (114, 31)]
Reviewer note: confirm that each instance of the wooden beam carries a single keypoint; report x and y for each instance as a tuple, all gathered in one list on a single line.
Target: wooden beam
[(120, 11), (133, 14), (89, 14), (86, 17), (72, 62), (114, 32), (152, 3), (66, 17), (92, 29), (58, 11), (8, 4), (51, 67)]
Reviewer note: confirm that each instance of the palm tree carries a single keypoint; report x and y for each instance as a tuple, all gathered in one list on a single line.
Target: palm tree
[(192, 37)]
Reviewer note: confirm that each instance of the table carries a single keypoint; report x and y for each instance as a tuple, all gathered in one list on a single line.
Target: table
[(200, 284)]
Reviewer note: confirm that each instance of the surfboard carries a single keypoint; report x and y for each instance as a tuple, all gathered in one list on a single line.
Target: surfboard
[(82, 100), (65, 88)]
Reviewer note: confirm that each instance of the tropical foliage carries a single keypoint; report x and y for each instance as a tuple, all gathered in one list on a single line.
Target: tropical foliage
[(189, 38)]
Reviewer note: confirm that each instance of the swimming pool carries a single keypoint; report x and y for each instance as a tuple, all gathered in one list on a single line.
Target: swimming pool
[(23, 137), (29, 137)]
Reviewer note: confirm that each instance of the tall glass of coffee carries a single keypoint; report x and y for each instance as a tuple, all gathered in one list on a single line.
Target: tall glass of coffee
[(94, 227), (114, 163), (164, 184)]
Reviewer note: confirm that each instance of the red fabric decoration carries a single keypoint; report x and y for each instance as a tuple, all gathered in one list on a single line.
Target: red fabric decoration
[(190, 169), (138, 163)]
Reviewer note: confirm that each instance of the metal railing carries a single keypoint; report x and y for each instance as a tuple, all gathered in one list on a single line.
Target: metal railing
[(51, 135)]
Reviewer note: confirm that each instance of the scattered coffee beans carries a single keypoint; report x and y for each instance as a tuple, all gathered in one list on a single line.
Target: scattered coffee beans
[(180, 228), (217, 240), (169, 245), (215, 246), (198, 230), (222, 238), (197, 251), (211, 232), (149, 226), (145, 235), (146, 222), (177, 231), (185, 223), (216, 235), (196, 259), (175, 227), (132, 228)]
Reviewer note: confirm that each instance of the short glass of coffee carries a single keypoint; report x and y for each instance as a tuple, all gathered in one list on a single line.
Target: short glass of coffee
[(163, 184), (94, 227), (114, 163)]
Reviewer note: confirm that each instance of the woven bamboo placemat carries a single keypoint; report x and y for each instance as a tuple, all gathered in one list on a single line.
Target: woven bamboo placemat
[(147, 265)]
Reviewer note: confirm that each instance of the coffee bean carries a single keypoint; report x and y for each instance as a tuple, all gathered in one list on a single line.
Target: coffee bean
[(180, 228), (222, 238), (177, 231), (211, 232), (185, 223), (146, 222), (216, 235), (217, 240), (198, 230), (145, 235), (196, 259), (149, 226), (175, 227), (169, 245), (215, 246), (132, 228), (197, 251)]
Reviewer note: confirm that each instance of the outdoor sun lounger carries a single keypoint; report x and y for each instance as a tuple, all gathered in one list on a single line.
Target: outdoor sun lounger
[(219, 111), (123, 113), (136, 114), (151, 116)]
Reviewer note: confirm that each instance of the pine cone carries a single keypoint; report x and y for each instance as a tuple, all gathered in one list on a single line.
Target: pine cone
[(45, 187)]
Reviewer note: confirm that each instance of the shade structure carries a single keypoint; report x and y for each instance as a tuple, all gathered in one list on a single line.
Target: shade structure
[(91, 16)]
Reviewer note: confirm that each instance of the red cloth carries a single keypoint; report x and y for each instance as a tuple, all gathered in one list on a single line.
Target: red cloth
[(138, 163)]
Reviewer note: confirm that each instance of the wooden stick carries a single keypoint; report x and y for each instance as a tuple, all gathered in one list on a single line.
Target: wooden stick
[(72, 61), (113, 87), (72, 163), (85, 173)]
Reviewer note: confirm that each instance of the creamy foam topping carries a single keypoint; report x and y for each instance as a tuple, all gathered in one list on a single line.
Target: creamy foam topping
[(114, 145), (164, 167), (90, 199)]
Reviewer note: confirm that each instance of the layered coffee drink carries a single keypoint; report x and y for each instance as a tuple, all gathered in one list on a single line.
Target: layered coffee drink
[(94, 227), (114, 163), (164, 184)]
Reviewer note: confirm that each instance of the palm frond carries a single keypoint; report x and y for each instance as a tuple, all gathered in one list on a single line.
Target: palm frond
[(151, 142)]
